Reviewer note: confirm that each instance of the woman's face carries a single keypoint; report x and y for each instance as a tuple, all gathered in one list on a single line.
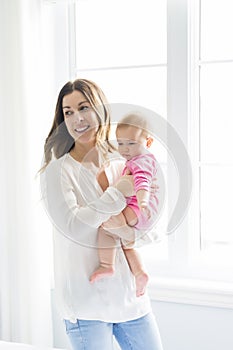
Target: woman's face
[(80, 119)]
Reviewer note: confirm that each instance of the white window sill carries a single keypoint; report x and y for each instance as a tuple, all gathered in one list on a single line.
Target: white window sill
[(192, 291)]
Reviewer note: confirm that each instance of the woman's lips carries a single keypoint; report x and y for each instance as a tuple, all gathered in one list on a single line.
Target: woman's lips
[(81, 129)]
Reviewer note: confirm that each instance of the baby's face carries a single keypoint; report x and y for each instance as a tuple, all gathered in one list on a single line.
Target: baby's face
[(131, 141)]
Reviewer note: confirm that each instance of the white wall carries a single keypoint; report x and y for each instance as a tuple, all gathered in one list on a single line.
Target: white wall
[(192, 327)]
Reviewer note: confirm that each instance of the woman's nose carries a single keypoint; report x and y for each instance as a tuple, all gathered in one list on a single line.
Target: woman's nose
[(79, 117)]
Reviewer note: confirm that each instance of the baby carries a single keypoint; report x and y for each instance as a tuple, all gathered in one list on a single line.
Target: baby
[(141, 211)]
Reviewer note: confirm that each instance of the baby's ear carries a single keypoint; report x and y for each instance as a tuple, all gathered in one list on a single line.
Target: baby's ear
[(149, 141)]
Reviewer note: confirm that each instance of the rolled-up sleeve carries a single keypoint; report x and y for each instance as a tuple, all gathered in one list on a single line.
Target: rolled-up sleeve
[(143, 170)]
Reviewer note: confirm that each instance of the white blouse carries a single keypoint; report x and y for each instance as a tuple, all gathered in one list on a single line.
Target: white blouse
[(77, 206)]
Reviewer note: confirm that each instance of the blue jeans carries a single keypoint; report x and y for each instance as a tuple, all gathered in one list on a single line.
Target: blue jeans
[(139, 334)]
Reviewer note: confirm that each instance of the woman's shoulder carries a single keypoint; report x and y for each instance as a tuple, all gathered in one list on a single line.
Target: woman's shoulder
[(115, 156), (55, 163), (66, 162), (115, 161)]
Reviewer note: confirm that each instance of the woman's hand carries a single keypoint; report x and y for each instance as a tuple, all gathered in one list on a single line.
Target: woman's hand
[(126, 185)]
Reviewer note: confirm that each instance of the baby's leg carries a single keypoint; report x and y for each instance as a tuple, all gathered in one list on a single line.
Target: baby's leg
[(136, 266), (130, 216), (133, 258), (107, 253)]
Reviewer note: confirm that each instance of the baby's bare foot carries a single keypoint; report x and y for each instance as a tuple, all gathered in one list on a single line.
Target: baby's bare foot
[(101, 272), (141, 281)]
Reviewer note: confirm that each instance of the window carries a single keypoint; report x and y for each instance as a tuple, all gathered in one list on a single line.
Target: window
[(122, 46), (172, 58), (216, 142)]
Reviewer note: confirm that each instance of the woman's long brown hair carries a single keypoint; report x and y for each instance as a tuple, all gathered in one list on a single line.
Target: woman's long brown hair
[(59, 141)]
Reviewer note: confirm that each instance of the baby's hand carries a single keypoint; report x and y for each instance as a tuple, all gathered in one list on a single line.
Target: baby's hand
[(145, 210)]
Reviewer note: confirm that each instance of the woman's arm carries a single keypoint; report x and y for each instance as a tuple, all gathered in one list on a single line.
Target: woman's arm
[(72, 220)]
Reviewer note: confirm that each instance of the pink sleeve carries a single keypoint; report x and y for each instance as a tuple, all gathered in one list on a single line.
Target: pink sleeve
[(143, 170)]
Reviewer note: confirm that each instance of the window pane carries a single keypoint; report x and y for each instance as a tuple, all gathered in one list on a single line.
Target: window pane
[(152, 253), (149, 92), (216, 204), (146, 87), (216, 112), (120, 33), (216, 216), (216, 29)]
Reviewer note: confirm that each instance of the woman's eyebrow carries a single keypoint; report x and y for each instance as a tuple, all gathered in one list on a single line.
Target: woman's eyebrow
[(80, 103)]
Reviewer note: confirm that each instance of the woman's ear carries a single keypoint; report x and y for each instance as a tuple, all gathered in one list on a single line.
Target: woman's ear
[(149, 141)]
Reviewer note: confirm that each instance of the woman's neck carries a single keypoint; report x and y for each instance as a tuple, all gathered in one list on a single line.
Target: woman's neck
[(85, 153)]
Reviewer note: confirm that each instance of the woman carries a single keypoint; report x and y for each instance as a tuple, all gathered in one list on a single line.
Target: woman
[(79, 194)]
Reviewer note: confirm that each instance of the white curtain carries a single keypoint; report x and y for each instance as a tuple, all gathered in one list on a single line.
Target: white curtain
[(25, 236)]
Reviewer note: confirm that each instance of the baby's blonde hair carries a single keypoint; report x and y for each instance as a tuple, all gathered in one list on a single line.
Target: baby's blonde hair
[(135, 119)]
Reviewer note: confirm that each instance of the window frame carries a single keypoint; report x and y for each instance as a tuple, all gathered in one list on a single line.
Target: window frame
[(184, 271)]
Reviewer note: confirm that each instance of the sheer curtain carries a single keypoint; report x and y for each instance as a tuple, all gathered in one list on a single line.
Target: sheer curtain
[(25, 236)]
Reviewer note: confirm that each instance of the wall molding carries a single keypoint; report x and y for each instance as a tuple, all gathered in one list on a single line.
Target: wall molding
[(192, 291)]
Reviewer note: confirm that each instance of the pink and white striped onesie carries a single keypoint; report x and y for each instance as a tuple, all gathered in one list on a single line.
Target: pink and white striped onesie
[(143, 168)]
